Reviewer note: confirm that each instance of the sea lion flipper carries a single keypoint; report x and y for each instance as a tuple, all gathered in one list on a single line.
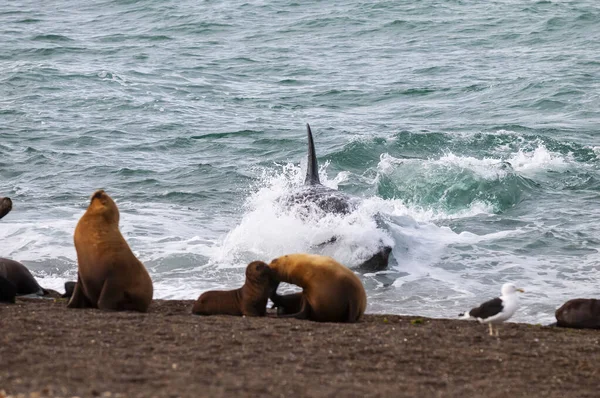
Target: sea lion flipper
[(303, 313), (78, 299), (354, 312), (287, 304), (112, 295)]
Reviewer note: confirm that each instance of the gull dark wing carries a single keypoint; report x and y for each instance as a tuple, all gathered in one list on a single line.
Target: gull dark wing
[(487, 309)]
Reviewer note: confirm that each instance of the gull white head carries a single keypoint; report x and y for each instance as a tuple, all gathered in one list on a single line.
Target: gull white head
[(509, 289)]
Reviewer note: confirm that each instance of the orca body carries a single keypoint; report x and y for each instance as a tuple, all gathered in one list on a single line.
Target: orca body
[(333, 201)]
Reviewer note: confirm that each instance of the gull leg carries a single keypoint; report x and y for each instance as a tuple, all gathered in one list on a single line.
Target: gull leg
[(497, 331), (491, 329)]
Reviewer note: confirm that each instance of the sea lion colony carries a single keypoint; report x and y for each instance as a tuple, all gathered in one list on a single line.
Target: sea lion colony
[(110, 277)]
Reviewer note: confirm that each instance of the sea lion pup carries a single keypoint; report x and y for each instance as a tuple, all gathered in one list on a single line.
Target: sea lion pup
[(330, 291), (5, 206), (250, 300), (579, 314), (109, 276)]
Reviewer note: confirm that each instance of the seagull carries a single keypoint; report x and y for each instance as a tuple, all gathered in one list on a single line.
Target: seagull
[(498, 310)]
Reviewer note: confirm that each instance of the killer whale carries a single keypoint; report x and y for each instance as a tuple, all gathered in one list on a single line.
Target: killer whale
[(327, 199), (333, 201)]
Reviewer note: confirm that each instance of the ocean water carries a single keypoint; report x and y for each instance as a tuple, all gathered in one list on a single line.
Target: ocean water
[(472, 128)]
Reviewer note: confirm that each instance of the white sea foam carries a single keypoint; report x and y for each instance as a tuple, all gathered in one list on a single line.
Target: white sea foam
[(523, 161), (539, 159), (270, 228)]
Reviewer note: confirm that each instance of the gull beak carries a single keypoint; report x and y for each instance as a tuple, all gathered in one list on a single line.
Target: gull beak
[(521, 290)]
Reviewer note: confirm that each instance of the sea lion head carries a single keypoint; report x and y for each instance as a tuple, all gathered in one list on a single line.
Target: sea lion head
[(259, 286), (280, 265), (259, 273), (5, 206), (102, 204), (274, 264)]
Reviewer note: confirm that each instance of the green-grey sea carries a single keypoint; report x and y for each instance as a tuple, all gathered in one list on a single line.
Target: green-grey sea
[(471, 127)]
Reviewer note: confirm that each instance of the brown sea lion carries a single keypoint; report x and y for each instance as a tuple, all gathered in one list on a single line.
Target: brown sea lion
[(109, 275), (330, 291), (250, 300), (579, 314), (5, 206)]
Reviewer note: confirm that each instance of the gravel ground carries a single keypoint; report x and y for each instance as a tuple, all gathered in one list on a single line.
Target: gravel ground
[(49, 350)]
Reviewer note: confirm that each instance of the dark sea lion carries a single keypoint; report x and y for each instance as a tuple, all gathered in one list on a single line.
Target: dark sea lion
[(109, 275), (250, 300), (20, 277), (5, 206), (579, 314), (8, 291), (330, 291), (24, 282), (69, 289), (333, 201)]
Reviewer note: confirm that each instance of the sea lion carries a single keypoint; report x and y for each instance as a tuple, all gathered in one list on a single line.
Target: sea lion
[(336, 202), (20, 277), (330, 291), (8, 291), (579, 314), (24, 282), (5, 206), (109, 276), (250, 300), (69, 289)]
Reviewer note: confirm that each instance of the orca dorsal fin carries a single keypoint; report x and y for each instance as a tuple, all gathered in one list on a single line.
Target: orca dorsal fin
[(312, 168)]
